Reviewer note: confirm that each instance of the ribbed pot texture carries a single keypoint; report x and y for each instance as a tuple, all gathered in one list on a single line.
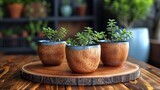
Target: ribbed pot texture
[(114, 54), (51, 53), (83, 59)]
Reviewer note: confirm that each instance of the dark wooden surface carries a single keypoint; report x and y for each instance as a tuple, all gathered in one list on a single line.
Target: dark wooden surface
[(10, 77), (62, 74)]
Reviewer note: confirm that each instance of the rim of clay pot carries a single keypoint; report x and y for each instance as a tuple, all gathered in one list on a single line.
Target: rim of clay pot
[(48, 42), (83, 47), (105, 41)]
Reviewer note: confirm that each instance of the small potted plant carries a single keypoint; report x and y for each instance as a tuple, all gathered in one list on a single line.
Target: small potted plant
[(1, 35), (15, 7), (24, 33), (83, 54), (114, 50), (52, 51), (35, 8), (81, 7), (128, 12)]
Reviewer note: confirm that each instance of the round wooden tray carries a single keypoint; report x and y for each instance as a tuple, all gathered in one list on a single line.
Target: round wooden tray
[(62, 75)]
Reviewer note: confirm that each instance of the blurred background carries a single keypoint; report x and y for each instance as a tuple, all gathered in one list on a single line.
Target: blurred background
[(21, 23)]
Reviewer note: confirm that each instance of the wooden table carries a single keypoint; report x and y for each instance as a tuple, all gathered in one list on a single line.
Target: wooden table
[(10, 77)]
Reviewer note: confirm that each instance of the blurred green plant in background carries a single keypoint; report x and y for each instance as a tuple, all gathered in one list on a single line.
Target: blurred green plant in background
[(36, 8), (1, 8), (35, 28), (128, 11)]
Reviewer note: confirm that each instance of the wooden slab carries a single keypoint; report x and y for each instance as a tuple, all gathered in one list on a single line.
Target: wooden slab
[(62, 75)]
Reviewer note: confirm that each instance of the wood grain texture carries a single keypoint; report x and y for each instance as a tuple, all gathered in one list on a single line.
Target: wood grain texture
[(88, 58), (48, 53), (62, 75), (114, 54), (149, 80)]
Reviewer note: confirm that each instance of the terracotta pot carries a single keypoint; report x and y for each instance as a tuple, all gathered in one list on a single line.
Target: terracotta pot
[(14, 41), (25, 34), (15, 10), (51, 53), (81, 10), (40, 34), (1, 35), (83, 59), (114, 53)]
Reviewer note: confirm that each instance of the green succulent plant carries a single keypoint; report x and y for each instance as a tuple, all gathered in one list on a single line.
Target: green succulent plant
[(55, 35), (86, 37), (128, 11), (116, 34)]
